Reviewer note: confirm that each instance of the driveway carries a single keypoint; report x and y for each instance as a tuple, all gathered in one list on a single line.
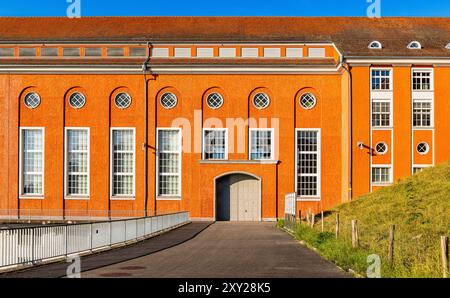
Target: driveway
[(228, 250)]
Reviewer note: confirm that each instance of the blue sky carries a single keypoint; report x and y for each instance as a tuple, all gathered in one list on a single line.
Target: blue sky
[(225, 8)]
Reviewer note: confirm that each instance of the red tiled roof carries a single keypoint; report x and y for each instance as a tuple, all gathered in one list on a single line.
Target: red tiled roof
[(351, 35)]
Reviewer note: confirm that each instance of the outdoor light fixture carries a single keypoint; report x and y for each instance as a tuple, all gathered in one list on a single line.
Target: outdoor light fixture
[(360, 145)]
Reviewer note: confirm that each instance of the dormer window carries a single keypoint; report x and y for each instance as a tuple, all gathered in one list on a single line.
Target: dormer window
[(375, 45), (414, 45), (447, 46)]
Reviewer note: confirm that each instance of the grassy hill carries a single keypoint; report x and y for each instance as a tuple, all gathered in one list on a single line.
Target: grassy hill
[(419, 206)]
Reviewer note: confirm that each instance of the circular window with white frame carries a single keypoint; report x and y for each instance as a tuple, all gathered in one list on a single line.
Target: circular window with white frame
[(214, 100), (423, 148), (381, 148), (77, 100), (308, 101), (32, 100), (261, 100), (122, 100), (168, 100)]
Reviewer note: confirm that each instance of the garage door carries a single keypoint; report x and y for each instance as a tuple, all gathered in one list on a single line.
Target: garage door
[(238, 198)]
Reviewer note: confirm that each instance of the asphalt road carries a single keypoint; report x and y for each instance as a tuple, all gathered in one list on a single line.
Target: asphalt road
[(228, 250)]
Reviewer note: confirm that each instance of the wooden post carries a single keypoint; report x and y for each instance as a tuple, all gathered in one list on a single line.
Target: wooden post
[(307, 217), (313, 219), (337, 225), (321, 216), (444, 255), (355, 240), (391, 245)]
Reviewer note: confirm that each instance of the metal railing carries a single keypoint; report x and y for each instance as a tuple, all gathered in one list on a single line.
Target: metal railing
[(24, 215), (33, 245), (290, 211)]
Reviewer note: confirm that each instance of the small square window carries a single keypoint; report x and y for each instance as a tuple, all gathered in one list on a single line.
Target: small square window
[(49, 52), (138, 52), (115, 52), (6, 52), (27, 52), (93, 52), (71, 52)]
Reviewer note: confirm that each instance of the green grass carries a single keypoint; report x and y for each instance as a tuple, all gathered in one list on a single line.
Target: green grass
[(418, 206)]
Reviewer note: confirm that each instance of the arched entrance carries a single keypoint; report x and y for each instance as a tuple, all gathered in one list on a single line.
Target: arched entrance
[(238, 197)]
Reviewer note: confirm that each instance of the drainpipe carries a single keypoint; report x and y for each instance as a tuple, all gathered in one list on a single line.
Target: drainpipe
[(346, 67), (145, 144)]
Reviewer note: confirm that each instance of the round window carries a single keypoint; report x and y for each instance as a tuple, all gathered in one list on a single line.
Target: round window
[(77, 100), (261, 101), (308, 101), (423, 148), (168, 100), (214, 100), (122, 100), (381, 148), (32, 100)]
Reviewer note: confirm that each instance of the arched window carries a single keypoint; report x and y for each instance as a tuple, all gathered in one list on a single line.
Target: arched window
[(414, 45), (375, 45)]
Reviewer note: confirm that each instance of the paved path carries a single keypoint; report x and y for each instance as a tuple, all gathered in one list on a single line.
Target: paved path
[(119, 255), (230, 250)]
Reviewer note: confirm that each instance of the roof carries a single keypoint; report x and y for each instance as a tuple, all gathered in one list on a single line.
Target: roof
[(351, 35)]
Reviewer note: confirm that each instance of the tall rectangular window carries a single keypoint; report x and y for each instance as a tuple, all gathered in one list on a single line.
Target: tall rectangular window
[(308, 163), (215, 144), (123, 162), (77, 162), (32, 161), (422, 113), (422, 80), (381, 79), (261, 144), (381, 113), (169, 162), (381, 175)]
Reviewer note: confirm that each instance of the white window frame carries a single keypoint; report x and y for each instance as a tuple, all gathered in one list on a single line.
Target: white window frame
[(391, 79), (67, 196), (423, 70), (272, 143), (22, 195), (226, 142), (317, 197), (419, 167), (177, 196), (389, 101), (113, 197), (375, 183), (431, 102)]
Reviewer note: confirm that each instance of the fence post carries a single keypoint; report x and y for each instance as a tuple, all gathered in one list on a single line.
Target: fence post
[(391, 244), (337, 225), (321, 216), (308, 220), (444, 255), (355, 240), (313, 219)]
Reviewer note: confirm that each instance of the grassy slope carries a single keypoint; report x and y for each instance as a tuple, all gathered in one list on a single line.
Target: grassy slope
[(419, 207)]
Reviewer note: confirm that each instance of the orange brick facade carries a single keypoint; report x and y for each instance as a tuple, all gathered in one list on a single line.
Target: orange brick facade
[(342, 115)]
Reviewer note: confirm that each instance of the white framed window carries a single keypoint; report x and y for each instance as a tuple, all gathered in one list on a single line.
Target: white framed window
[(381, 148), (381, 174), (77, 161), (215, 143), (381, 113), (123, 162), (32, 100), (261, 100), (308, 161), (422, 80), (423, 148), (214, 100), (414, 45), (422, 112), (375, 45), (122, 100), (419, 168), (381, 79), (262, 145), (31, 182), (169, 144), (168, 100), (308, 101), (77, 100)]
